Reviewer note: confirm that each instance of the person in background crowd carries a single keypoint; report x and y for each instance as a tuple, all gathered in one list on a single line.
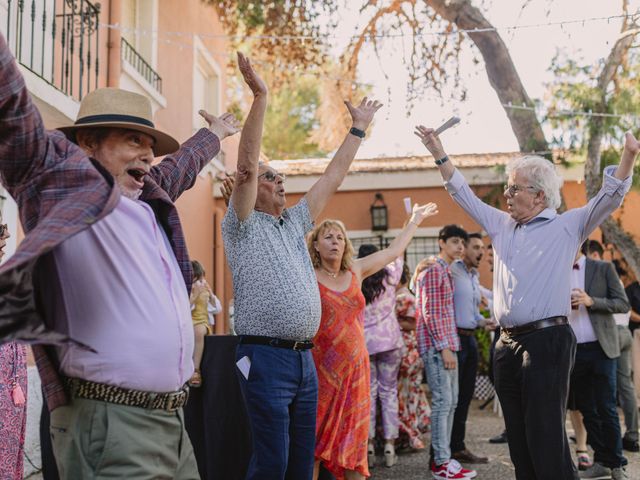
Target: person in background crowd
[(13, 398), (200, 295), (492, 325), (413, 406), (626, 390), (437, 342), (632, 289), (384, 344), (340, 352), (466, 298), (596, 295), (535, 248)]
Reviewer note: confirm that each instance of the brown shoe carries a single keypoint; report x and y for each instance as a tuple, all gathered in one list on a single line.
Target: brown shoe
[(465, 456)]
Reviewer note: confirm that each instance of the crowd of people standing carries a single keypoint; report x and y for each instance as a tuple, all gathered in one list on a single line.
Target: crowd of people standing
[(325, 335)]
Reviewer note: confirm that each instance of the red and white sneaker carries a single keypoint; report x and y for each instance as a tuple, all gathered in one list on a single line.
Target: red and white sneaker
[(451, 470)]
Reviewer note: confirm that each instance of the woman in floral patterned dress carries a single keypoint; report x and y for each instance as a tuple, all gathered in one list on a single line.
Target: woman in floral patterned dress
[(413, 407), (13, 402)]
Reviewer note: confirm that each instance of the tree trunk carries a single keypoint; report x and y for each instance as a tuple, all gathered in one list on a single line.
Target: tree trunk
[(500, 69), (613, 232)]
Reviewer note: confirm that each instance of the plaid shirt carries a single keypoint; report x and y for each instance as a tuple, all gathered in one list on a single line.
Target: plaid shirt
[(61, 192), (436, 322)]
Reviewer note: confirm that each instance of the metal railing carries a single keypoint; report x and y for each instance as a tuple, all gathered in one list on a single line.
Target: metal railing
[(58, 41), (132, 57)]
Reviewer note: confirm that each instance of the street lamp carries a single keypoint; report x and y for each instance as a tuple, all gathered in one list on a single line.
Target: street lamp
[(379, 215)]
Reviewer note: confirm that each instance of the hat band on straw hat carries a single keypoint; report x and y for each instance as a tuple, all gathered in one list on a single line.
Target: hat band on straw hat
[(114, 118)]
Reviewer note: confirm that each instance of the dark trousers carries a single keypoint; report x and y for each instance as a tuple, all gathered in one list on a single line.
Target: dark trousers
[(281, 395), (532, 381), (467, 369), (594, 383)]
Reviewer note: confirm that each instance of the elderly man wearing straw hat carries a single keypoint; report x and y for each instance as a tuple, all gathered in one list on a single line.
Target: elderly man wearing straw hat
[(102, 276)]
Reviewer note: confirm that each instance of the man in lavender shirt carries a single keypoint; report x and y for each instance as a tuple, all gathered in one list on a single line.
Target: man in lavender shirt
[(534, 252), (103, 276)]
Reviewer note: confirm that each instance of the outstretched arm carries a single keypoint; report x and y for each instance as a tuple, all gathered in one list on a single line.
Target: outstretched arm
[(629, 155), (319, 195), (366, 266), (489, 217), (178, 172), (23, 141), (245, 191)]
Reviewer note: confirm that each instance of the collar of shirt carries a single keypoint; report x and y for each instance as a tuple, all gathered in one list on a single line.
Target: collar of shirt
[(546, 214), (471, 271), (275, 220)]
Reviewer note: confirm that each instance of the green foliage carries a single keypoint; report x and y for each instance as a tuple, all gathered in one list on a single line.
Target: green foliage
[(484, 346), (575, 88), (291, 119)]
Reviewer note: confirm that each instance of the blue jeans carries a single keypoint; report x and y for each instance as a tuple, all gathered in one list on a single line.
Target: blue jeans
[(443, 384), (281, 394), (593, 381)]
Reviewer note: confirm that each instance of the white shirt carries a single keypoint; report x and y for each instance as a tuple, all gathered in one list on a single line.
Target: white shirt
[(579, 318)]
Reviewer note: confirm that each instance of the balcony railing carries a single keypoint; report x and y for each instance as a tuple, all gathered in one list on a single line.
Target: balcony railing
[(58, 41), (141, 65)]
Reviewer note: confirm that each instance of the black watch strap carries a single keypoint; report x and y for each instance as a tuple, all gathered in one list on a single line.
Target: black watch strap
[(442, 160), (357, 132)]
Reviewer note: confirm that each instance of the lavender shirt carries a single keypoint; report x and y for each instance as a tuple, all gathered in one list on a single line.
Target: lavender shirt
[(125, 297), (381, 328), (533, 261)]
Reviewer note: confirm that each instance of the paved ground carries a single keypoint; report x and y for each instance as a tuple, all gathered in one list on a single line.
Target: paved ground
[(481, 426)]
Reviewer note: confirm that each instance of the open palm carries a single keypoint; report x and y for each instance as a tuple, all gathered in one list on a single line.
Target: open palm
[(363, 114)]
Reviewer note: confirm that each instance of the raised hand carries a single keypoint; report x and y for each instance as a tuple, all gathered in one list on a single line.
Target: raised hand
[(420, 212), (362, 115), (251, 78), (430, 140), (631, 144), (226, 189), (223, 126)]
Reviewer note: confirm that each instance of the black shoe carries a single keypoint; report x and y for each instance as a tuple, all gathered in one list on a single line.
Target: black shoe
[(630, 445), (502, 438)]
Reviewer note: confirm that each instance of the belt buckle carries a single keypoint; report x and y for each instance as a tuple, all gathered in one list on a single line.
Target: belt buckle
[(298, 345)]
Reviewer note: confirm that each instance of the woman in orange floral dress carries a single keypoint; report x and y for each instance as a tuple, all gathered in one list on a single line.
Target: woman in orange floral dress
[(340, 352)]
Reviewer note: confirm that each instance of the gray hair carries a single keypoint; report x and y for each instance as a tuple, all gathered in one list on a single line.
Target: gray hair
[(542, 176)]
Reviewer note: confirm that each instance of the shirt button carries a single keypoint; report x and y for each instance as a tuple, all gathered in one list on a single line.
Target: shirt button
[(90, 220)]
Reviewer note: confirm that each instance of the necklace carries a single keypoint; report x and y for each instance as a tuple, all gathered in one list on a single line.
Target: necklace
[(330, 273)]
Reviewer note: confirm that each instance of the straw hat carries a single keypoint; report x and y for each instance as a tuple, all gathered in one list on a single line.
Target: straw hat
[(116, 108)]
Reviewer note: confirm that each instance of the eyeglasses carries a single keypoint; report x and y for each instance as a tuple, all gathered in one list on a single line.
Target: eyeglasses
[(513, 189), (270, 176), (4, 230)]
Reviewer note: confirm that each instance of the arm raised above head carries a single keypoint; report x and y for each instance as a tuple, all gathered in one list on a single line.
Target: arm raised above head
[(485, 215), (245, 191), (23, 140), (319, 195), (366, 266)]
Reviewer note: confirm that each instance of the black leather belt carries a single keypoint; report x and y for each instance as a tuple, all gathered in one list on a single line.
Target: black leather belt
[(532, 326), (170, 401), (467, 332), (277, 342)]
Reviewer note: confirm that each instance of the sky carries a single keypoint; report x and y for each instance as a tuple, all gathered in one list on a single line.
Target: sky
[(484, 126)]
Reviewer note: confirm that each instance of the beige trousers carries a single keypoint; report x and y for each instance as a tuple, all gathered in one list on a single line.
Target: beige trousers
[(99, 440)]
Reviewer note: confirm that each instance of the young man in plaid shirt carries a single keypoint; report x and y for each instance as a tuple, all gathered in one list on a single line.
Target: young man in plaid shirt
[(438, 343)]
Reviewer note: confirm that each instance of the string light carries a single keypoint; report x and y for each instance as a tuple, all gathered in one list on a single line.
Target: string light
[(446, 33), (573, 113)]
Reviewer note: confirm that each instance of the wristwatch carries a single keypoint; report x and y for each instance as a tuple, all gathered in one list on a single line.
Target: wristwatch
[(357, 132), (442, 160)]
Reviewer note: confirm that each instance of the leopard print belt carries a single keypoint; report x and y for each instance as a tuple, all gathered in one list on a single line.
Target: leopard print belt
[(170, 401)]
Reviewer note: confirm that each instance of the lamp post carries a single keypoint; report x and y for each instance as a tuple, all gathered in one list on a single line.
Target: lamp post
[(379, 214)]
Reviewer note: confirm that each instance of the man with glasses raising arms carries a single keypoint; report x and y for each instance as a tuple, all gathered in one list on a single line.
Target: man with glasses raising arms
[(534, 252), (276, 297)]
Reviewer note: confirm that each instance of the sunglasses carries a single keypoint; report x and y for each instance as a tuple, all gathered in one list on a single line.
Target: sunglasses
[(270, 176)]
